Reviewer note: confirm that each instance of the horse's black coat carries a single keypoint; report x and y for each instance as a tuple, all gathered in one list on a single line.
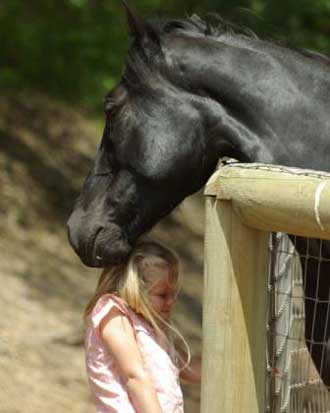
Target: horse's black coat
[(192, 93)]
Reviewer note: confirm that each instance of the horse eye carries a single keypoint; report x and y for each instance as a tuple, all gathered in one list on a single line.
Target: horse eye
[(109, 106)]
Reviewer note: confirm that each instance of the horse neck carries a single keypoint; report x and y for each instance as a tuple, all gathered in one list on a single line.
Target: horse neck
[(223, 69), (263, 102), (223, 76)]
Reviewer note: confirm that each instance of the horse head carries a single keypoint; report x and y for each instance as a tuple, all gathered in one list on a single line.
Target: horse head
[(151, 156)]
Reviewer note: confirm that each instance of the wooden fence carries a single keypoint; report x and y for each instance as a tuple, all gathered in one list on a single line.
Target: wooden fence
[(244, 202)]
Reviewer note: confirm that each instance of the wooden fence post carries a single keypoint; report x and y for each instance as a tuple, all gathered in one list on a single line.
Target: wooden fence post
[(234, 313)]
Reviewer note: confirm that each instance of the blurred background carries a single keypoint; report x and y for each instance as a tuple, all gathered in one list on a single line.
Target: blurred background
[(57, 61)]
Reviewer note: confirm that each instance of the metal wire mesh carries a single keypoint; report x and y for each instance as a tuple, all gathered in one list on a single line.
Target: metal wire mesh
[(298, 328), (294, 384)]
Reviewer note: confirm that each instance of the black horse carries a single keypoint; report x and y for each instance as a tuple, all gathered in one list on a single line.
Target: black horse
[(191, 93)]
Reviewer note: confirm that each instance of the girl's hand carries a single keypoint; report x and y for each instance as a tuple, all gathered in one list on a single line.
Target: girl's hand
[(192, 373)]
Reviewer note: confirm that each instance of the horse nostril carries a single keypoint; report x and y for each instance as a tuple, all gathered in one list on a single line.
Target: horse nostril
[(71, 234)]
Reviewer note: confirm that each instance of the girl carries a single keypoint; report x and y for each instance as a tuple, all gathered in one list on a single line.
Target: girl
[(132, 363)]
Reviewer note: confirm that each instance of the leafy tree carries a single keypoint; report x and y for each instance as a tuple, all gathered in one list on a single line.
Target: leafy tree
[(74, 49)]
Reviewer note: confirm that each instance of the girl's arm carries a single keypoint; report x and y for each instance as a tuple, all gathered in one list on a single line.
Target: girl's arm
[(118, 334), (192, 373)]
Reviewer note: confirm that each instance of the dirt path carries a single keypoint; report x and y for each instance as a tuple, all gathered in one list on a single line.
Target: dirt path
[(44, 287)]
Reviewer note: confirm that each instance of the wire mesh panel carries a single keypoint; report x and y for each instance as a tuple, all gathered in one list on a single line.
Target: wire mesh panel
[(296, 344)]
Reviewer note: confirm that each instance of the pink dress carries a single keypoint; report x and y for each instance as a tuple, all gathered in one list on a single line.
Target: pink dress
[(107, 387)]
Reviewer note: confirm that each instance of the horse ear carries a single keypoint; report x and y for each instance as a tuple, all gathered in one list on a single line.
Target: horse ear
[(141, 31), (135, 22)]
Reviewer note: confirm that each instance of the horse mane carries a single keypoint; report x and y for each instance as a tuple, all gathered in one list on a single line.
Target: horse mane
[(142, 63), (215, 26), (212, 26), (140, 60), (314, 55)]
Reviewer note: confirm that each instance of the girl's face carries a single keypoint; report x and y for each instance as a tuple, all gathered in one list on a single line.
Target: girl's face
[(162, 294)]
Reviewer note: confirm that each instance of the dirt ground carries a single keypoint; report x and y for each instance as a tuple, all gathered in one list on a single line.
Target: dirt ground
[(45, 150)]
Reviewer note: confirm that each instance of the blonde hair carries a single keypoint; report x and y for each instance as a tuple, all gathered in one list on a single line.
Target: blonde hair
[(132, 282)]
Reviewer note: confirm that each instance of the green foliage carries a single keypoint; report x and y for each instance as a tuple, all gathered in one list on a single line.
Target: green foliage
[(75, 49)]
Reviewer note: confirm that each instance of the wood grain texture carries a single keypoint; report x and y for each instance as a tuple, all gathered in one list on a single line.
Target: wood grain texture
[(279, 201), (234, 313)]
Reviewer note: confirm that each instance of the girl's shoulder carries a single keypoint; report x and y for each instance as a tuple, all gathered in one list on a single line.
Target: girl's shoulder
[(105, 304), (109, 301)]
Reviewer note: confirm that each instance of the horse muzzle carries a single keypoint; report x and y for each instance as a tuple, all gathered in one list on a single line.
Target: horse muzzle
[(97, 246)]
